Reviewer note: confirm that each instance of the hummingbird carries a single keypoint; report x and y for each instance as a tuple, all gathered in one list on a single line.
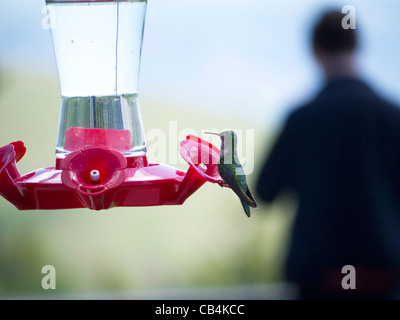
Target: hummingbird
[(231, 171)]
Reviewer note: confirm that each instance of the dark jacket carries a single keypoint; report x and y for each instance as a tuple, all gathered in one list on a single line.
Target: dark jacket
[(340, 154)]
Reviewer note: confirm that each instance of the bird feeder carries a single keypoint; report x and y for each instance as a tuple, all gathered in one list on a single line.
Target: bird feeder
[(101, 157)]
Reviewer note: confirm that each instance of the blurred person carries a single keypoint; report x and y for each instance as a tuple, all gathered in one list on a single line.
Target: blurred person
[(340, 156)]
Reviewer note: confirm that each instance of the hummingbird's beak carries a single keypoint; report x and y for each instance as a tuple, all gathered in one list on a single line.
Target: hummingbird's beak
[(214, 133)]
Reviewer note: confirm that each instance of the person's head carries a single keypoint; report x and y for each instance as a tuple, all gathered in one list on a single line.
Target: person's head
[(333, 46)]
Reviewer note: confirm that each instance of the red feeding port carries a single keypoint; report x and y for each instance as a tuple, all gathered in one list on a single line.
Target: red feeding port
[(9, 155), (203, 157), (78, 168)]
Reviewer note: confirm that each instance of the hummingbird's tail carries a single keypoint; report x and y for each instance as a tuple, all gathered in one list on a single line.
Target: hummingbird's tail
[(246, 208)]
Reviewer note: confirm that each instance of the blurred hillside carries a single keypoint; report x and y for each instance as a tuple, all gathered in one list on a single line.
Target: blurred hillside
[(208, 241)]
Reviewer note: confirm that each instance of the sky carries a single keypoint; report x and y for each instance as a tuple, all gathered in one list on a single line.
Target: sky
[(250, 58)]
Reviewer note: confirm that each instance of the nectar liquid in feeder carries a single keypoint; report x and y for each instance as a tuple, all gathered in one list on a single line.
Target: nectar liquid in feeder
[(97, 46)]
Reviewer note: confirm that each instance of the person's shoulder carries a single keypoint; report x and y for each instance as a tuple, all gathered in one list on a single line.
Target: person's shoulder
[(297, 116), (381, 102), (386, 102), (302, 111), (340, 94)]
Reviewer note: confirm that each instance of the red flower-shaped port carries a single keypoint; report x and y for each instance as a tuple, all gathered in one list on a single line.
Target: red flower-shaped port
[(93, 170), (203, 157), (9, 155)]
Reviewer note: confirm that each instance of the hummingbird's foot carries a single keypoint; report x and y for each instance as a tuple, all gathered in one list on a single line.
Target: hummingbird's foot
[(222, 184)]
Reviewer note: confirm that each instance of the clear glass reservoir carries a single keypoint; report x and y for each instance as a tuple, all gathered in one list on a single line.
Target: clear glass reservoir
[(97, 45)]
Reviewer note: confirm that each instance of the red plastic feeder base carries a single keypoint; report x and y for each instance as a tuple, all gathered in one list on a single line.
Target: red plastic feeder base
[(99, 178)]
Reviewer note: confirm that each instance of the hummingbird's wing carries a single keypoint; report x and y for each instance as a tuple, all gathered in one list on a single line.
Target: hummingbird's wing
[(229, 178)]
